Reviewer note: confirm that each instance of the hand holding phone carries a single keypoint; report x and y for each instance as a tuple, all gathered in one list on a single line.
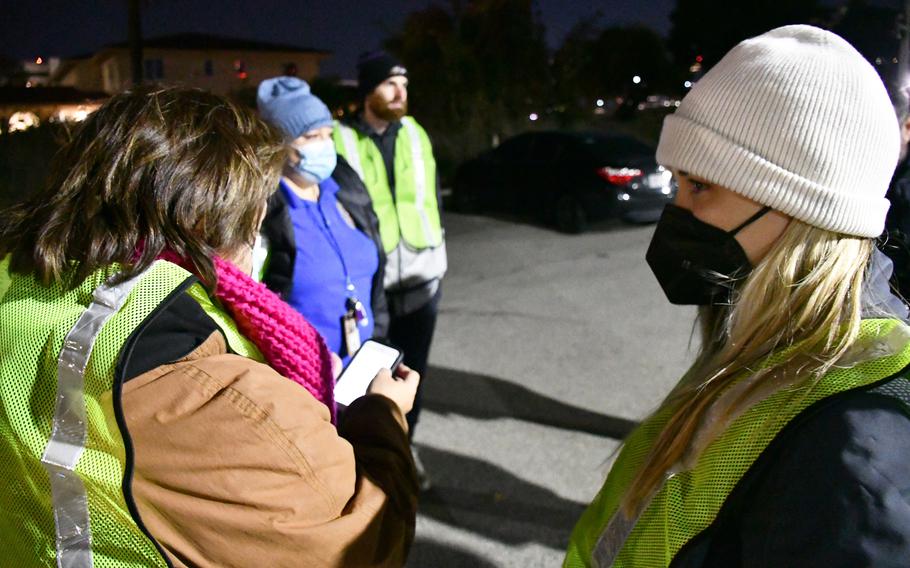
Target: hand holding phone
[(363, 367), (401, 389)]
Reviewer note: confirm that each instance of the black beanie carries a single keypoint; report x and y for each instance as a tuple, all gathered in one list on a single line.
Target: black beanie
[(374, 67)]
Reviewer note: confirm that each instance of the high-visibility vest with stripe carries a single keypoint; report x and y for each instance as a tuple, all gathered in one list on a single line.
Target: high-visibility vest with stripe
[(689, 501), (63, 459), (412, 213)]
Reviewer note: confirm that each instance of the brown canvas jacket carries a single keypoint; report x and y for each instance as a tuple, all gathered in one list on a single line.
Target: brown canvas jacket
[(238, 466)]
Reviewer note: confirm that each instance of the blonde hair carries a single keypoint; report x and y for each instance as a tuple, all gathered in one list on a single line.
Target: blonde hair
[(801, 304)]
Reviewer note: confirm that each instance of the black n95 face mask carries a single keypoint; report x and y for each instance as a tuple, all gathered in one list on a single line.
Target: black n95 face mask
[(693, 261)]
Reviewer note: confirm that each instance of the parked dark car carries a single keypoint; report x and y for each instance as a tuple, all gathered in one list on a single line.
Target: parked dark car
[(567, 179)]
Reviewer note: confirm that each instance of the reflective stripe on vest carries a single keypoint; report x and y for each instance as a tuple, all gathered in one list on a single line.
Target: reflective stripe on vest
[(46, 328), (350, 149), (420, 179), (67, 441), (689, 501), (412, 213)]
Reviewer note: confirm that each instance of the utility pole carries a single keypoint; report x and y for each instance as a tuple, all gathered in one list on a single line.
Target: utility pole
[(135, 41)]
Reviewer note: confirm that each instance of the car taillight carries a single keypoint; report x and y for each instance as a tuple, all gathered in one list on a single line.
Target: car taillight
[(619, 176)]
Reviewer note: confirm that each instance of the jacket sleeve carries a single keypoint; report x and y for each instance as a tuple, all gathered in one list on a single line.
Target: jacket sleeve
[(238, 466), (355, 198), (837, 493), (379, 303)]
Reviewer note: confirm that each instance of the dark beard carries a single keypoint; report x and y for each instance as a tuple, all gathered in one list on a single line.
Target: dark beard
[(382, 111)]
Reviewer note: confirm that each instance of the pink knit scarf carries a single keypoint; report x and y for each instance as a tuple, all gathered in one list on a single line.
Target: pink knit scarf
[(289, 343)]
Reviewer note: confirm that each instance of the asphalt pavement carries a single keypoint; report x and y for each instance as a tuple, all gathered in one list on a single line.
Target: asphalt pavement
[(548, 350)]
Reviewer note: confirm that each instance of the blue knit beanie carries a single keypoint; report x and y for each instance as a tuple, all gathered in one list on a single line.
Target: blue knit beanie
[(286, 102)]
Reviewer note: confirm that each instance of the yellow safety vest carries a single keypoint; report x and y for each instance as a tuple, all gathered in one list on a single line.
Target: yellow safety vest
[(689, 501), (412, 214), (62, 455)]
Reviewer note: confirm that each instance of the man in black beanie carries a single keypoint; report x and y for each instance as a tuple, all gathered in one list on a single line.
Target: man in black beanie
[(394, 156)]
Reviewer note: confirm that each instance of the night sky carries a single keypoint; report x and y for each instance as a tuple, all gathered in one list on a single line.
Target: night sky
[(29, 28)]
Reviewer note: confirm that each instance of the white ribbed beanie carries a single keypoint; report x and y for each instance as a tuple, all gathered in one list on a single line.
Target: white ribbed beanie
[(795, 119)]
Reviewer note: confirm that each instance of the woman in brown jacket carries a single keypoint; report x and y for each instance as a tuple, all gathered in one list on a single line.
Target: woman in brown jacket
[(159, 408)]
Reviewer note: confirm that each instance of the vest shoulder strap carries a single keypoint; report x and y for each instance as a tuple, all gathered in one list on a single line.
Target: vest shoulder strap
[(350, 146), (237, 343), (4, 276)]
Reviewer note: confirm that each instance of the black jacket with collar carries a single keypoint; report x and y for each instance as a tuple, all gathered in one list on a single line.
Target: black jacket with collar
[(279, 232)]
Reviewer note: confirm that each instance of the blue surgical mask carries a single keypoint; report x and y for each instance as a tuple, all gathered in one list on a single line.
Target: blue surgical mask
[(317, 160)]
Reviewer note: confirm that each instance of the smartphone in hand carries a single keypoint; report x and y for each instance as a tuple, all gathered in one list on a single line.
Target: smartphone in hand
[(362, 368)]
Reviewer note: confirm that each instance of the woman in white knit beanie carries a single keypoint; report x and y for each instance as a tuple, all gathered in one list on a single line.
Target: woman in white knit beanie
[(787, 443)]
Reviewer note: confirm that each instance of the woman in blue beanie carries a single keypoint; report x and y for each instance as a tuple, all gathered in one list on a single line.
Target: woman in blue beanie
[(320, 237)]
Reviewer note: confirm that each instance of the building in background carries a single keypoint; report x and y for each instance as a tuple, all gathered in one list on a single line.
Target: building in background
[(219, 64), (37, 72)]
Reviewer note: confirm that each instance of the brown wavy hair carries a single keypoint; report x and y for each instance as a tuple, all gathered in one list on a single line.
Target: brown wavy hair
[(153, 168)]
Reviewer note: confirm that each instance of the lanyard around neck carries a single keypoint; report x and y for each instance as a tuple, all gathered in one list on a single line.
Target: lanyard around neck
[(325, 226)]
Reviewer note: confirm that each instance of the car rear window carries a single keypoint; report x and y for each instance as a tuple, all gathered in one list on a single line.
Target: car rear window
[(616, 149)]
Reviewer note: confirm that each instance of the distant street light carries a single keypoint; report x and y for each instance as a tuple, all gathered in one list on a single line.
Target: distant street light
[(687, 84), (532, 117), (636, 79), (600, 102)]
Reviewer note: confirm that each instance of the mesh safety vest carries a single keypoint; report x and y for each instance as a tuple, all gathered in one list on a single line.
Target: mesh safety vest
[(412, 213), (689, 501), (63, 459)]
